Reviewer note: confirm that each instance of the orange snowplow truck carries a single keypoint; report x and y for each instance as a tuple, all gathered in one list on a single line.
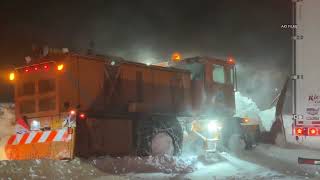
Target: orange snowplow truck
[(89, 105)]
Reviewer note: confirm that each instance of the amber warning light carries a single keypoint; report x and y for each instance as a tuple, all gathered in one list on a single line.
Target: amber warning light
[(231, 61), (60, 67), (176, 57), (11, 76)]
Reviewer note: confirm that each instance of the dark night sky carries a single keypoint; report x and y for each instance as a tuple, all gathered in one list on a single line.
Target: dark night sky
[(249, 30)]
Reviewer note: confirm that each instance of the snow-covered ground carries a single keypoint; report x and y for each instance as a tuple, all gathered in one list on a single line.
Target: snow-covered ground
[(142, 168), (264, 162)]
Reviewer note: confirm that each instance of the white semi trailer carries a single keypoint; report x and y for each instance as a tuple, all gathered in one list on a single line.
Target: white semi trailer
[(306, 72), (306, 68)]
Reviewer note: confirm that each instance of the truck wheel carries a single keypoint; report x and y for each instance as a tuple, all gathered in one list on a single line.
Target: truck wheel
[(161, 144), (159, 136)]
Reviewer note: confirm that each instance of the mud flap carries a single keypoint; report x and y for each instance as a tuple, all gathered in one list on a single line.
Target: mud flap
[(308, 161), (54, 144)]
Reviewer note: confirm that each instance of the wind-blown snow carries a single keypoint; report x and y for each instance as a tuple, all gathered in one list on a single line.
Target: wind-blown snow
[(267, 117), (246, 107)]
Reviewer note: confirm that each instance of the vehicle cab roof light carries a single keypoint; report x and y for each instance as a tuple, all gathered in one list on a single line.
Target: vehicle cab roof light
[(42, 67), (11, 76), (60, 67)]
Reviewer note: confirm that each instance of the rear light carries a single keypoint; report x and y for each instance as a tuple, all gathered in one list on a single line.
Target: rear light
[(45, 67), (36, 68), (27, 70), (231, 61), (313, 131), (299, 131), (82, 116)]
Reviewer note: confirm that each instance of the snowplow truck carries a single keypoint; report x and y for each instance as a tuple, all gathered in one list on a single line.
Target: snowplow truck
[(71, 105)]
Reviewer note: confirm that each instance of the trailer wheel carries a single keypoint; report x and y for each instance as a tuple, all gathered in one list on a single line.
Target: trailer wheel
[(158, 136)]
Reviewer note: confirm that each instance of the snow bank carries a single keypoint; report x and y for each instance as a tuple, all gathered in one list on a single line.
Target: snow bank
[(107, 167), (48, 169), (246, 107), (151, 164), (7, 119), (7, 122)]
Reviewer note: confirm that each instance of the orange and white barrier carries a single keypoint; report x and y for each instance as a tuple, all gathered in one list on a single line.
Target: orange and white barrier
[(40, 137), (55, 144)]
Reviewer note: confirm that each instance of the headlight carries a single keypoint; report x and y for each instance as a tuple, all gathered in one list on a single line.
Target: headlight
[(214, 126), (35, 125)]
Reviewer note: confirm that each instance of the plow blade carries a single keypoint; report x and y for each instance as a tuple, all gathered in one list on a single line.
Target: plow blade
[(54, 144)]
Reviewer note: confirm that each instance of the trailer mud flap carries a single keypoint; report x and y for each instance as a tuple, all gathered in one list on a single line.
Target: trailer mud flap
[(54, 144), (308, 161)]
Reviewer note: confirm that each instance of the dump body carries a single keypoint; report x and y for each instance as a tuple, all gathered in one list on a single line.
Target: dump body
[(97, 87), (306, 63)]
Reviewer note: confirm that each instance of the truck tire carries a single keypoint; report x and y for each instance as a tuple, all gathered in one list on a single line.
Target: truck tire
[(159, 129)]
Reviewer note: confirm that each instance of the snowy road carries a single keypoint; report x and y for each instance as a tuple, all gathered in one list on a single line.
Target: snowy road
[(264, 163), (232, 168)]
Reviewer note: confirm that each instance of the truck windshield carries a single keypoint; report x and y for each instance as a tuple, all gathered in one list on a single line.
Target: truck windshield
[(27, 89), (46, 85), (37, 96)]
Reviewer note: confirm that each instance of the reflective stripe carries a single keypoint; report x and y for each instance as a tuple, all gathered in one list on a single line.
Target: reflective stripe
[(44, 136), (18, 139), (52, 135), (11, 139), (24, 138), (31, 136), (59, 135)]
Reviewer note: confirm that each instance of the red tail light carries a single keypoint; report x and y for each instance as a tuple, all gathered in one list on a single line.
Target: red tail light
[(36, 68), (299, 131), (313, 131), (231, 61), (82, 116), (27, 70), (45, 67)]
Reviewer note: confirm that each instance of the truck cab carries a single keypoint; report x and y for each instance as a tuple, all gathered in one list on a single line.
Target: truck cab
[(36, 95), (213, 85)]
